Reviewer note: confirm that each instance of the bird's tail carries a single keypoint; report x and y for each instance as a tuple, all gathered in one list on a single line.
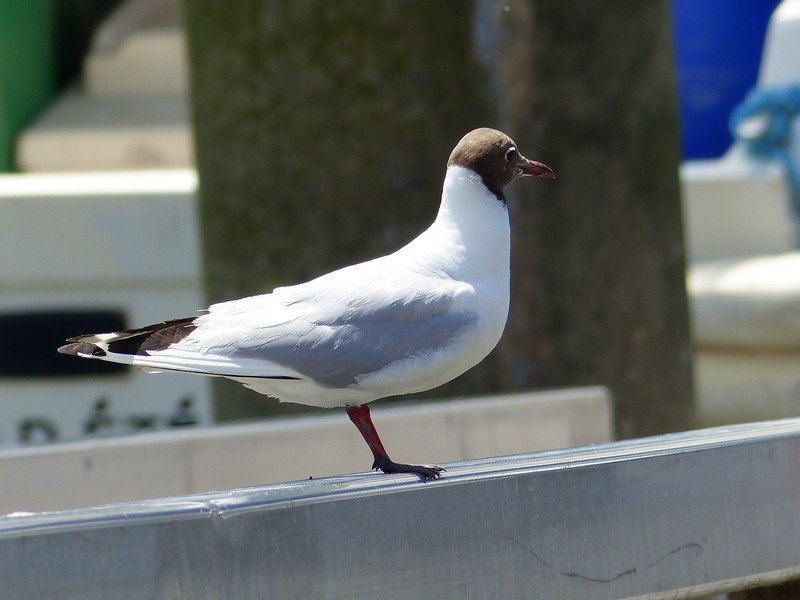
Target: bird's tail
[(122, 346), (157, 348)]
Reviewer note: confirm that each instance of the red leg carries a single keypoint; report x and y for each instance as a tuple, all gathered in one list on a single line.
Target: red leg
[(360, 417)]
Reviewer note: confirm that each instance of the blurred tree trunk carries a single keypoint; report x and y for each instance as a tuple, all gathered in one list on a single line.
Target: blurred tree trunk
[(598, 294), (322, 132)]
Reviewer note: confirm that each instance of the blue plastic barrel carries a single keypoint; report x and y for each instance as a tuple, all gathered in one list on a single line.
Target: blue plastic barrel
[(718, 45)]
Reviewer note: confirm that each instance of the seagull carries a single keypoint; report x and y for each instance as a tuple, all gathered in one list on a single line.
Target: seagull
[(402, 323)]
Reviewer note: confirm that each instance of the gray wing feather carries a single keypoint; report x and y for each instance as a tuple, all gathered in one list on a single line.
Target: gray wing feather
[(361, 340)]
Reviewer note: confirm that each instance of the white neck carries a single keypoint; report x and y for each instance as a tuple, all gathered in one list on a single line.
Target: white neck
[(470, 238)]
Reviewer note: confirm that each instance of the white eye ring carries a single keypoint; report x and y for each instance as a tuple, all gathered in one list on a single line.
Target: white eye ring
[(511, 154)]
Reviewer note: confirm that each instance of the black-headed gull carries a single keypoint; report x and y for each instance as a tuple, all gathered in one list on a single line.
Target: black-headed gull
[(398, 324)]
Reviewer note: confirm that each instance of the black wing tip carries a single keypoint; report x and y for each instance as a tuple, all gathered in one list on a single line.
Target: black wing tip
[(81, 348), (132, 341), (152, 337)]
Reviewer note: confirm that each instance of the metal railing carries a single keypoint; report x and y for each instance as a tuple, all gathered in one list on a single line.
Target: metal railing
[(666, 517)]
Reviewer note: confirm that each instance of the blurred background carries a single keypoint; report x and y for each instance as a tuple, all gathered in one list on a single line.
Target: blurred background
[(159, 155)]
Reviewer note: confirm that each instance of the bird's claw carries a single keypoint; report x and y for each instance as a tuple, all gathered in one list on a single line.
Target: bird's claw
[(424, 471)]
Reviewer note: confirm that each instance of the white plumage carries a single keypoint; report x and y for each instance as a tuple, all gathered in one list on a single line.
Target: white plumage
[(401, 323)]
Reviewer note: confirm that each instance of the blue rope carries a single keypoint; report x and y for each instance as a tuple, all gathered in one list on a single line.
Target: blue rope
[(780, 105)]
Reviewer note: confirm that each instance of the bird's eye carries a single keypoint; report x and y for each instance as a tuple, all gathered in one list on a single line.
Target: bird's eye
[(511, 154)]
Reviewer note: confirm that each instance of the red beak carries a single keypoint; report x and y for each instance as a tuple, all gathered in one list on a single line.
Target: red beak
[(536, 169)]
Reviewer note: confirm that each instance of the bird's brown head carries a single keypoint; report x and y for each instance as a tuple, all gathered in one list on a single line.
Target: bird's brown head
[(495, 157)]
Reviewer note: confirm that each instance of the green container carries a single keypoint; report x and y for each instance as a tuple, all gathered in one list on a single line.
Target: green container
[(27, 68)]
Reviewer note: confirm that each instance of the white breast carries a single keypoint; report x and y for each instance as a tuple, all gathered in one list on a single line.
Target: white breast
[(468, 242)]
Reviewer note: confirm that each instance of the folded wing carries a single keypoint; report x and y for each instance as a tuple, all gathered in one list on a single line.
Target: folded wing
[(331, 330)]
